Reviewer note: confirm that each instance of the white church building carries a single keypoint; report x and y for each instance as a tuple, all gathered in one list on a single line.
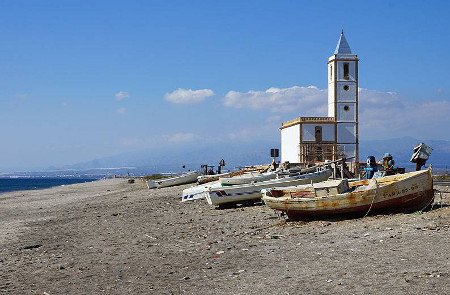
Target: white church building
[(308, 140)]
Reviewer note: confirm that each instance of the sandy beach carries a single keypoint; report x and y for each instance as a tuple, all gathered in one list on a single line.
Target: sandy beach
[(112, 237)]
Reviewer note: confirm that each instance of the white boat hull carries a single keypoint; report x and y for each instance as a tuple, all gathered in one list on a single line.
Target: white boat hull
[(252, 191), (247, 178), (189, 177), (198, 192)]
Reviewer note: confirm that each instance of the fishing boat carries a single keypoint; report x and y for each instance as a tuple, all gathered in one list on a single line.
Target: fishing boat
[(210, 178), (252, 191), (198, 191), (185, 178), (247, 177), (407, 192)]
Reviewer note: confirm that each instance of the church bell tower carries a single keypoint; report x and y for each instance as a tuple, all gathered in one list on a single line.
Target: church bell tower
[(343, 98)]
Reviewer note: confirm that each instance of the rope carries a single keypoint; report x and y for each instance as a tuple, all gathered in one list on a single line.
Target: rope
[(440, 199), (431, 201), (374, 196)]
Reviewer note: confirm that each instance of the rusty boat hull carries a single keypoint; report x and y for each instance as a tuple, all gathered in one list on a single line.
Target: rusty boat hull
[(407, 192)]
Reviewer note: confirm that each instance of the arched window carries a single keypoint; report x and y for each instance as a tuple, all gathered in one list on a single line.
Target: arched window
[(346, 71), (318, 133)]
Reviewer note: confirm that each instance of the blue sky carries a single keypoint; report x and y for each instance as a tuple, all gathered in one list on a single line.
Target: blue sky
[(86, 79)]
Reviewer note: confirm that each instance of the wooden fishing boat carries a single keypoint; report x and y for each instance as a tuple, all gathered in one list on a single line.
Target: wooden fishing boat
[(185, 178), (407, 192), (252, 191)]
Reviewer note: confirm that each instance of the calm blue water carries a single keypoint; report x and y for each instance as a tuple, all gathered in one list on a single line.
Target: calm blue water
[(18, 184)]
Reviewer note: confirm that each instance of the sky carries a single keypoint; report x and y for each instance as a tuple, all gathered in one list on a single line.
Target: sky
[(81, 80)]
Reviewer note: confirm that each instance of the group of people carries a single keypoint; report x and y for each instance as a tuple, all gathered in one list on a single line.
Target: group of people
[(421, 153), (388, 165)]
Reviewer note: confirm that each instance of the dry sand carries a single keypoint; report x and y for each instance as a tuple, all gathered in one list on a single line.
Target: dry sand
[(111, 237)]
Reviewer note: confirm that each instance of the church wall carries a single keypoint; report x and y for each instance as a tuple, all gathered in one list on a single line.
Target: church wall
[(346, 133), (349, 150), (290, 140), (345, 95), (330, 101), (308, 132), (346, 112)]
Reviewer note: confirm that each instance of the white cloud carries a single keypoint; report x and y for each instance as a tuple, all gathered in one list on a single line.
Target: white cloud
[(121, 95), (382, 114), (388, 114), (158, 140), (121, 110), (242, 133), (373, 99), (132, 142), (188, 96), (274, 119), (310, 100), (180, 137)]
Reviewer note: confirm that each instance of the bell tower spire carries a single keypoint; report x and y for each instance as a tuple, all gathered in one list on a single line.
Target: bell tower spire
[(342, 46)]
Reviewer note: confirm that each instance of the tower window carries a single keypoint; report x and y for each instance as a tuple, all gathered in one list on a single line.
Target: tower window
[(331, 72), (346, 87), (346, 71)]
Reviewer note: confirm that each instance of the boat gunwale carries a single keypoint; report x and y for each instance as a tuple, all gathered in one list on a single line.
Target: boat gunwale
[(275, 180)]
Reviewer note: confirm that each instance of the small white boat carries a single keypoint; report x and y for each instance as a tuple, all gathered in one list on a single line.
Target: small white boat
[(252, 191), (247, 177), (198, 191), (189, 177)]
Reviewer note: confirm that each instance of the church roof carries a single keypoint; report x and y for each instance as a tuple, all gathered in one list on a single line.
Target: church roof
[(342, 47), (315, 120)]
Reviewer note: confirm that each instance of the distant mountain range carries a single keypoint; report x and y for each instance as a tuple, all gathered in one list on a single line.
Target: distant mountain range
[(240, 154), (191, 156), (235, 154), (401, 150)]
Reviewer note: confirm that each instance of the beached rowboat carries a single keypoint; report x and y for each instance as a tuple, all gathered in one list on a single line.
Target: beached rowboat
[(252, 191), (198, 191), (407, 192), (247, 177), (210, 178), (189, 177)]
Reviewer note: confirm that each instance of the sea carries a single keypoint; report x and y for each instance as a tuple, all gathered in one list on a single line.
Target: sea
[(19, 184)]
